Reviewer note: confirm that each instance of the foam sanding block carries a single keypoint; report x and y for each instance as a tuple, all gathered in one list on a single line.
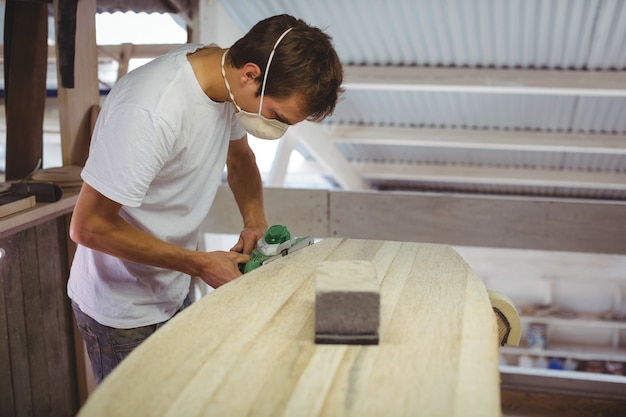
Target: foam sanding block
[(347, 303)]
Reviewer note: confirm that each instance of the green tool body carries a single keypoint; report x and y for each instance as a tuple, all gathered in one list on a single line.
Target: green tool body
[(275, 243)]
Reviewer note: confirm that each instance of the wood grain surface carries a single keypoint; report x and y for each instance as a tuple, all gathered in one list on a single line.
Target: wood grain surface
[(37, 370), (247, 349)]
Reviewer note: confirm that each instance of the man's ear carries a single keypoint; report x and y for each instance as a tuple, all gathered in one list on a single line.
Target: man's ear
[(250, 73)]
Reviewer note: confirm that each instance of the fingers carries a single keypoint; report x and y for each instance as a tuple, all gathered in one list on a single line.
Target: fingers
[(248, 245), (247, 241), (241, 258), (221, 267), (244, 246)]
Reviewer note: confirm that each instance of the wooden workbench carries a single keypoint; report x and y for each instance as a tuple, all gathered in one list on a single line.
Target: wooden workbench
[(247, 348)]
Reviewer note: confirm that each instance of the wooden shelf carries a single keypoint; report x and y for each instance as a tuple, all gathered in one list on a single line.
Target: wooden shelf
[(583, 353), (572, 383), (563, 380), (583, 322), (41, 213)]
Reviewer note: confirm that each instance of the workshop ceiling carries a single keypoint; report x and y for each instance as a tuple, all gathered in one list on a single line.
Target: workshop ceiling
[(518, 97)]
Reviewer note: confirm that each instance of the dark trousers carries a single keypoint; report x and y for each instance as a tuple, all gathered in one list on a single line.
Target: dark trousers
[(108, 346)]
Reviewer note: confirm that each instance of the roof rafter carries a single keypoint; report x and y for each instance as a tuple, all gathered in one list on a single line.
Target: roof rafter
[(487, 80), (315, 138), (491, 175), (481, 139)]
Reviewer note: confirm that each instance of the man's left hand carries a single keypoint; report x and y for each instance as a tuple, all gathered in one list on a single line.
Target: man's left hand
[(247, 240)]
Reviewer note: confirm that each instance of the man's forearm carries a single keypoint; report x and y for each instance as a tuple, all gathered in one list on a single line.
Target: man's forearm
[(250, 202), (116, 237), (245, 183), (96, 224)]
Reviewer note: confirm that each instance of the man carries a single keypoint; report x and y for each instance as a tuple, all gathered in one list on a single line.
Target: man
[(156, 159)]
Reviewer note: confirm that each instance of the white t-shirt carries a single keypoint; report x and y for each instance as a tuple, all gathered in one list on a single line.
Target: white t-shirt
[(159, 148)]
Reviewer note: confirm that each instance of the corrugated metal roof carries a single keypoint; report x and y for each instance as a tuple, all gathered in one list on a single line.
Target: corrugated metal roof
[(559, 35), (582, 34)]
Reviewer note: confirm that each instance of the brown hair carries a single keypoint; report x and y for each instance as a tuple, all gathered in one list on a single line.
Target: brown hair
[(304, 62)]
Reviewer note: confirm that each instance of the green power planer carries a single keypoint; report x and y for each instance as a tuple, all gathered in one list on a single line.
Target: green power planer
[(275, 243)]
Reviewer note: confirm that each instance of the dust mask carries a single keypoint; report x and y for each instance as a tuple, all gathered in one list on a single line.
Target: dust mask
[(255, 123)]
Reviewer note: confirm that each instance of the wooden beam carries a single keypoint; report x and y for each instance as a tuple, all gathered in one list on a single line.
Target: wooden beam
[(575, 403), (123, 59), (107, 52), (75, 104), (488, 175), (501, 222), (481, 139), (305, 212), (211, 23), (313, 137), (389, 78), (492, 81), (580, 385), (182, 9), (280, 164)]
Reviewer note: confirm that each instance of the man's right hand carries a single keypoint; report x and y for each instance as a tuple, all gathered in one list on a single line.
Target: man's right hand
[(219, 267)]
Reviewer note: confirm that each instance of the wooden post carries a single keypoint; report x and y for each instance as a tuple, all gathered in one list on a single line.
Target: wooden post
[(75, 104), (78, 107)]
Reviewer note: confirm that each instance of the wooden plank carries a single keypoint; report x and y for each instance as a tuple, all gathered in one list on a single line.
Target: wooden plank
[(56, 322), (32, 305), (437, 354), (304, 212), (25, 75), (75, 103), (126, 52), (574, 384), (501, 222), (564, 225), (38, 370), (7, 401), (19, 350), (40, 214), (516, 403)]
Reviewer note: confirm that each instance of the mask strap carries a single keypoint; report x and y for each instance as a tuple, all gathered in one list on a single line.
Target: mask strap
[(267, 67), (227, 84)]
